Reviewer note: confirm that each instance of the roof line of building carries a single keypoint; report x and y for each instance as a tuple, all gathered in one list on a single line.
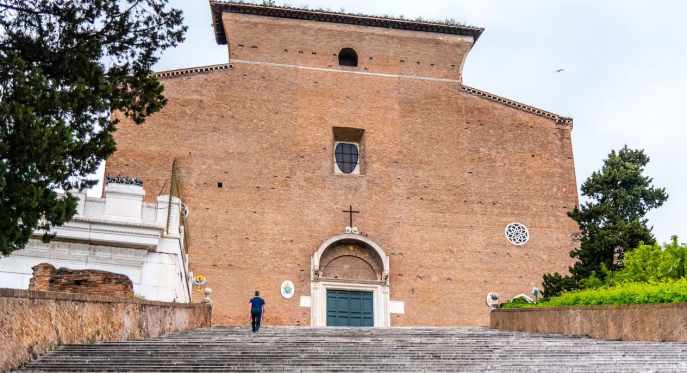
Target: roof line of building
[(449, 27), (519, 105), (169, 74)]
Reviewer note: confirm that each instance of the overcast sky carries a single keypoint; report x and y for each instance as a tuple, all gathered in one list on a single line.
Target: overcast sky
[(625, 78)]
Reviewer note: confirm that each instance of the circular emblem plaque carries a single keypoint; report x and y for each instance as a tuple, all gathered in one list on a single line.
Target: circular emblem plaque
[(200, 280), (517, 234), (287, 289)]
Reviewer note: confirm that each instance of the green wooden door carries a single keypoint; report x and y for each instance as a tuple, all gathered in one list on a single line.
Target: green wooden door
[(349, 308)]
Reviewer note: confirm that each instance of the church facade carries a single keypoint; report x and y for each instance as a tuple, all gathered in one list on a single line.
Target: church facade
[(339, 165)]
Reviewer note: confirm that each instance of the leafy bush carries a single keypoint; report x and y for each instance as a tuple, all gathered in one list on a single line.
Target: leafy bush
[(653, 263), (670, 291), (555, 283), (644, 264), (593, 282), (650, 274)]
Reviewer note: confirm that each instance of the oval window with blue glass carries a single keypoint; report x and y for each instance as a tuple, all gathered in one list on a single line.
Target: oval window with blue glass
[(347, 157)]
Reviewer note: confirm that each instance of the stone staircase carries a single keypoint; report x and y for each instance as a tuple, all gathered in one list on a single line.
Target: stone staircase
[(221, 349)]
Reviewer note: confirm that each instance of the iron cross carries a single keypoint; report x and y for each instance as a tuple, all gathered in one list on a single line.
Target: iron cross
[(350, 212)]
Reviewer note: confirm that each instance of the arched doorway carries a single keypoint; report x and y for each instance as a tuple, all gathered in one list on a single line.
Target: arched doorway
[(350, 283)]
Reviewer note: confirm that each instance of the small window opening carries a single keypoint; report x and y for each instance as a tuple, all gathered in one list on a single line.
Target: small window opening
[(348, 57), (346, 154), (220, 184), (347, 150)]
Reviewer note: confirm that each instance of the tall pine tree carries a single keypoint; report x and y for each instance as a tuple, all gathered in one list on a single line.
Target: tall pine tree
[(65, 66), (612, 219)]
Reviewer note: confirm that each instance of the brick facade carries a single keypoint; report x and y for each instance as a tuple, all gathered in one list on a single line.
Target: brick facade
[(445, 168)]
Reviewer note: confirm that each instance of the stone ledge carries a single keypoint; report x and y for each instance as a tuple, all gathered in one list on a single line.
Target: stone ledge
[(598, 307), (48, 295), (635, 322), (32, 322)]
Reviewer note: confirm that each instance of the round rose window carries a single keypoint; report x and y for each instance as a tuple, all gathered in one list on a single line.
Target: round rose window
[(517, 234)]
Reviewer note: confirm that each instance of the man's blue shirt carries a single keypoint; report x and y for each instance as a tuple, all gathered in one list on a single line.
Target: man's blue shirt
[(256, 305)]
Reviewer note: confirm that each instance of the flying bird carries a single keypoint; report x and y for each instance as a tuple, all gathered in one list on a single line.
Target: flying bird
[(559, 70)]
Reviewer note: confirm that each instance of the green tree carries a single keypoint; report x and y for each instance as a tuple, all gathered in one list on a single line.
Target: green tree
[(653, 263), (611, 219), (65, 66)]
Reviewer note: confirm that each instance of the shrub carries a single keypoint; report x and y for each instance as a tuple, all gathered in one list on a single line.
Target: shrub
[(643, 264), (670, 291), (592, 282), (650, 274), (555, 284)]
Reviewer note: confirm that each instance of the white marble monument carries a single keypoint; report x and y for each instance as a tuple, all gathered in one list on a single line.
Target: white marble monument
[(119, 233)]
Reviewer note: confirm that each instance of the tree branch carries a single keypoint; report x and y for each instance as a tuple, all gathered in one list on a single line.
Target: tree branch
[(21, 9)]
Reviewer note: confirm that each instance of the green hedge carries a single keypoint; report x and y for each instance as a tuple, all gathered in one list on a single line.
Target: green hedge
[(625, 293)]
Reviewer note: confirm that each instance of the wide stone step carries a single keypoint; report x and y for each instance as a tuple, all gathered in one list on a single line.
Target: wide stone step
[(364, 350)]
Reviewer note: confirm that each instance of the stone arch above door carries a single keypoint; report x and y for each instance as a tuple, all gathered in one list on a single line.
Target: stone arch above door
[(349, 264), (350, 257)]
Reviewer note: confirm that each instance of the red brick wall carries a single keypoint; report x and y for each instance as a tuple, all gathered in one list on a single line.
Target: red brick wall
[(317, 44), (93, 282), (444, 173)]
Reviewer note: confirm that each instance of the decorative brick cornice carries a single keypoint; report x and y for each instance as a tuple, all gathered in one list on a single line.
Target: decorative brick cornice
[(127, 180), (560, 120), (219, 7), (168, 74)]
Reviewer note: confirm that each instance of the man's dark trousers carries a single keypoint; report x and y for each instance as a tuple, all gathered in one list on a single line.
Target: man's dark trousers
[(255, 320)]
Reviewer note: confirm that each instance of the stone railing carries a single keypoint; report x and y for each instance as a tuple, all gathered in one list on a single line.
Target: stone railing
[(32, 323), (641, 322)]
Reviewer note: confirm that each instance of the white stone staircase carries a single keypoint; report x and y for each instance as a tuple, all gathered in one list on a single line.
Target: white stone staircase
[(221, 349)]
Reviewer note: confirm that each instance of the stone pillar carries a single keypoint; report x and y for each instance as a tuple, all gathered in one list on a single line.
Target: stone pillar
[(317, 294), (81, 203), (385, 314), (172, 228)]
